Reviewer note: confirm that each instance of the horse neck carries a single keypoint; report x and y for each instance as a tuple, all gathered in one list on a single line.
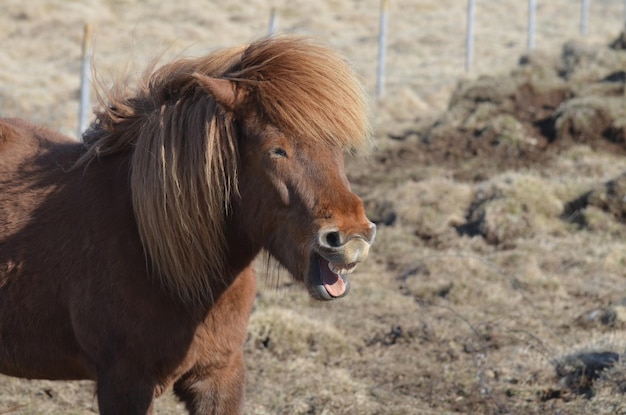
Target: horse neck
[(242, 245)]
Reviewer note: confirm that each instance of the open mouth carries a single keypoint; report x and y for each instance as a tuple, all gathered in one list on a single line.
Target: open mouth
[(328, 279)]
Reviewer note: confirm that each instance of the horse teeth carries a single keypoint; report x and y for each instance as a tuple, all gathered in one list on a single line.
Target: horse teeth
[(341, 269)]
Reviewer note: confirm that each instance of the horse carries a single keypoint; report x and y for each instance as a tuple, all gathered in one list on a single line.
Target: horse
[(127, 257)]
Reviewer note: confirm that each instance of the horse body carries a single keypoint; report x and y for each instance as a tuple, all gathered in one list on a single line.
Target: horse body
[(57, 326), (127, 259)]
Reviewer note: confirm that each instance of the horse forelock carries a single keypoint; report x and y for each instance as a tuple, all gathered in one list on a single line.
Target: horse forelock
[(307, 90), (184, 150)]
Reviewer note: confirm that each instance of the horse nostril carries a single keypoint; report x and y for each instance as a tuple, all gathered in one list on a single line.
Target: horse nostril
[(333, 239)]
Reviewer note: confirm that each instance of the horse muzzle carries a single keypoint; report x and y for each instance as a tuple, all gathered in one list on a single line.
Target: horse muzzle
[(336, 256)]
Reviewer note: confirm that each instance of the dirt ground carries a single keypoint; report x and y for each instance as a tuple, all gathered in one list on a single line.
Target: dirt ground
[(496, 284)]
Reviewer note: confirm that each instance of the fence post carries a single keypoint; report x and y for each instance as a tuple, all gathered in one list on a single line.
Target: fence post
[(469, 37), (85, 82), (382, 50), (273, 27), (584, 17), (532, 11)]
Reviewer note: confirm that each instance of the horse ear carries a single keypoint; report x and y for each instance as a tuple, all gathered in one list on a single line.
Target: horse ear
[(223, 90)]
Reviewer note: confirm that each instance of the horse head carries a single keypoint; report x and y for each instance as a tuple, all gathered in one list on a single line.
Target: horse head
[(294, 194)]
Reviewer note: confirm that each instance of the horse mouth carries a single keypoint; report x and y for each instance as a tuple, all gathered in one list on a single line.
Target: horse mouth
[(327, 280)]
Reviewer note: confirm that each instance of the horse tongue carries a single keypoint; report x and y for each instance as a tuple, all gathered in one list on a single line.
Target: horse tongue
[(333, 283)]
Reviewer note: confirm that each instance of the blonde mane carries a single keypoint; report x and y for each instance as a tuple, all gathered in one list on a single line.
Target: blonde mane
[(183, 146)]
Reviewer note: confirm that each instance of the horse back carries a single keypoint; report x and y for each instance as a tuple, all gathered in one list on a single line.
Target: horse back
[(19, 138)]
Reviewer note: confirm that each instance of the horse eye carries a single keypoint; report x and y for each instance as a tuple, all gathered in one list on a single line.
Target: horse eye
[(279, 152)]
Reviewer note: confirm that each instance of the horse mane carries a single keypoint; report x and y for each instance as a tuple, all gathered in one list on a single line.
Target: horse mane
[(183, 145)]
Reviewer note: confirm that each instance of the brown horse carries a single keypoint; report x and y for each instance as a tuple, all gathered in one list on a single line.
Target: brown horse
[(127, 259)]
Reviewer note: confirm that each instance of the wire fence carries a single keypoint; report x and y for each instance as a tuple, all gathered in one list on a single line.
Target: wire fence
[(410, 47)]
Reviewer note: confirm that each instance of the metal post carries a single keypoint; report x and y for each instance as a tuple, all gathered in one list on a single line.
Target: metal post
[(382, 50), (273, 27), (532, 11), (584, 17), (469, 38)]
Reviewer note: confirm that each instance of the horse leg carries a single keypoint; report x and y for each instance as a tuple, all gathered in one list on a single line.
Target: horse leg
[(124, 395), (214, 390)]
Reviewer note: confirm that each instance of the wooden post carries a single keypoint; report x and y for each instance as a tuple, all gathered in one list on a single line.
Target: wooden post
[(85, 82), (382, 50)]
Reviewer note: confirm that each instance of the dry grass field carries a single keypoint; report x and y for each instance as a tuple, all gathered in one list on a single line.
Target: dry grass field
[(497, 284)]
